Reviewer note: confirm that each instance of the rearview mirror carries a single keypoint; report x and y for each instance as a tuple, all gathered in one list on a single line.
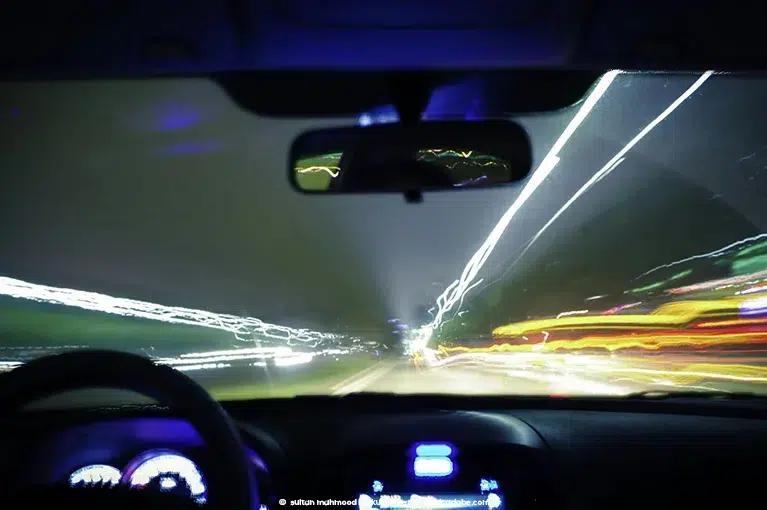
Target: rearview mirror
[(410, 158)]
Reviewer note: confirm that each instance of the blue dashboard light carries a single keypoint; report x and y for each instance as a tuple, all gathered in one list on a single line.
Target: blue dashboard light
[(433, 450), (486, 485), (433, 467), (365, 120), (382, 115)]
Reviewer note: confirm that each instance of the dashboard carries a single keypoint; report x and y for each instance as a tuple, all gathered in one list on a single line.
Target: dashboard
[(161, 469), (338, 453), (152, 452)]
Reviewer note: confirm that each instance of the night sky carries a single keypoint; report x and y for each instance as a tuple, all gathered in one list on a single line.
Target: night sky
[(164, 191)]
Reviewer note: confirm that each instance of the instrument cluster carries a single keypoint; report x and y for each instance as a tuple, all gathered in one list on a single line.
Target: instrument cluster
[(160, 469)]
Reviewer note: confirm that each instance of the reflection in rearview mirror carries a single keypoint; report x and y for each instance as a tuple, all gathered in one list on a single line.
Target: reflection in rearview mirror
[(316, 173), (397, 158), (468, 168), (464, 168)]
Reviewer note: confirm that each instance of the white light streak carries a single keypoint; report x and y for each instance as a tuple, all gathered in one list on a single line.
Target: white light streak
[(618, 158), (712, 254), (456, 291), (243, 328)]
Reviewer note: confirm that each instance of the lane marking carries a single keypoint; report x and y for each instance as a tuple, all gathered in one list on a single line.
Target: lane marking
[(363, 380), (357, 375)]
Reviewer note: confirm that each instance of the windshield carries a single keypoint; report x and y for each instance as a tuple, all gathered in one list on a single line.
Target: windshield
[(155, 217)]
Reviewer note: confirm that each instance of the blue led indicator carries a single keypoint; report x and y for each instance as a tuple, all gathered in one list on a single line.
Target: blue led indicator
[(377, 486), (484, 485), (433, 450), (432, 467), (493, 485)]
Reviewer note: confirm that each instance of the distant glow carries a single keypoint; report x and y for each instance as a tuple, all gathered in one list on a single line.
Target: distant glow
[(96, 474), (435, 467), (417, 339), (433, 450), (377, 486)]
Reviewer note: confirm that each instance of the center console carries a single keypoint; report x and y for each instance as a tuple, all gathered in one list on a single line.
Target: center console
[(434, 481), (433, 475)]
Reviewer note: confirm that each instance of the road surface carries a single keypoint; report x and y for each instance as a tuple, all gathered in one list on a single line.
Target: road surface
[(571, 374), (575, 375)]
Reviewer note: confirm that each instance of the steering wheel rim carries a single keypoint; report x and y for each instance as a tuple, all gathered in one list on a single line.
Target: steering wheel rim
[(230, 482)]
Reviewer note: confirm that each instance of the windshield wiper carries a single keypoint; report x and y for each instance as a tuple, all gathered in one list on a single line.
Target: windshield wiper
[(707, 394)]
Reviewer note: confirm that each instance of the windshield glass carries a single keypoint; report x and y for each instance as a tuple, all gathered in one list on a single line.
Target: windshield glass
[(155, 217)]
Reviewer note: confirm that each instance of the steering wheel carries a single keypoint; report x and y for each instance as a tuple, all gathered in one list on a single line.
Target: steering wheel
[(230, 478)]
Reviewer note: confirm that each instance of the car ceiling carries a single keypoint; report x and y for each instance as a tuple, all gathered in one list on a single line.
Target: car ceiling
[(129, 37)]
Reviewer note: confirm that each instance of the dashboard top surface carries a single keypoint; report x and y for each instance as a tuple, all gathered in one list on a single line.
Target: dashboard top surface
[(277, 428), (536, 451)]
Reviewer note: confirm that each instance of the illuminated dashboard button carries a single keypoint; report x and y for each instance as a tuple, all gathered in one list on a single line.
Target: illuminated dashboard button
[(432, 467), (433, 450)]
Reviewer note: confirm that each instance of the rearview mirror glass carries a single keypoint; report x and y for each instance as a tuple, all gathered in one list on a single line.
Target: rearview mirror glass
[(428, 156)]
